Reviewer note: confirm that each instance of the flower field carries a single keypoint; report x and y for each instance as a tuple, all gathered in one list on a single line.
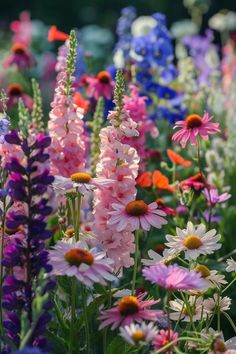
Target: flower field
[(117, 186)]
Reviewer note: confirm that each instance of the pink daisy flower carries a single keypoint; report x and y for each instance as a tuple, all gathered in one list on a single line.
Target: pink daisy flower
[(87, 265), (136, 215), (173, 277), (129, 309), (194, 126), (101, 85), (163, 338)]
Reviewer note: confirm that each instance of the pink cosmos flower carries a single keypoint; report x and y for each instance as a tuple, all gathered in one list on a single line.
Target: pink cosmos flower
[(88, 265), (213, 196), (22, 29), (136, 214), (101, 85), (129, 309), (173, 277), (194, 126), (19, 57), (164, 337)]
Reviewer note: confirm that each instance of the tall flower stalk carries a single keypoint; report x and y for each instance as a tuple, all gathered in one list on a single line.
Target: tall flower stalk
[(25, 258)]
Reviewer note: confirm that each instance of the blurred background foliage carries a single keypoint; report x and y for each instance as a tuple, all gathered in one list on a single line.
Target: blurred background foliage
[(67, 14)]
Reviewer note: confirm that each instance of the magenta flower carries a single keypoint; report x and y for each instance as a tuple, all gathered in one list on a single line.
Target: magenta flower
[(129, 309), (15, 92), (19, 57), (213, 196), (136, 215), (101, 85), (164, 337), (173, 277), (194, 126)]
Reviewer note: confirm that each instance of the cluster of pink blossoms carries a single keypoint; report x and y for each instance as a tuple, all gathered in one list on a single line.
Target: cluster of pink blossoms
[(136, 107), (66, 127), (118, 162)]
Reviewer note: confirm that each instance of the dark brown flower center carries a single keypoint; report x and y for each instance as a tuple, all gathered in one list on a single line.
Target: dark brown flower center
[(136, 208), (81, 177), (77, 256), (219, 346), (18, 48), (128, 305), (15, 90), (193, 121), (104, 77)]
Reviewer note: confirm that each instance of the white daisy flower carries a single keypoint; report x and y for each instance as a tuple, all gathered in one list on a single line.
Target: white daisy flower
[(211, 277), (193, 241), (181, 310), (82, 181), (157, 258), (88, 265), (231, 265), (136, 334), (221, 303)]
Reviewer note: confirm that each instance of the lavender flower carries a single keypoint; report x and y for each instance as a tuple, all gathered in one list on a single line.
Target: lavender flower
[(4, 126), (28, 182), (213, 197)]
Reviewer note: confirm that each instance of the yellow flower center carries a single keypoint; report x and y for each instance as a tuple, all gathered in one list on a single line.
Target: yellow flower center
[(136, 208), (77, 256), (192, 242), (70, 232), (138, 336), (186, 311), (128, 305), (81, 177), (203, 270), (193, 121), (104, 77)]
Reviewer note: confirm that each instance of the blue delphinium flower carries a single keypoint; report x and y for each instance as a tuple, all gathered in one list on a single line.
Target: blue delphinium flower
[(4, 126)]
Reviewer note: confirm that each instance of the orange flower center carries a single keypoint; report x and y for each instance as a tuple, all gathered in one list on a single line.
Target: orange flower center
[(18, 48), (77, 256), (203, 270), (220, 346), (104, 77), (15, 90), (70, 232), (13, 231), (128, 305), (136, 208), (138, 336), (81, 177), (192, 242), (193, 121)]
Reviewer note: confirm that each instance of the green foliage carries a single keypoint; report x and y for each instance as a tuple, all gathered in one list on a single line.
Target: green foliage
[(119, 91), (24, 118)]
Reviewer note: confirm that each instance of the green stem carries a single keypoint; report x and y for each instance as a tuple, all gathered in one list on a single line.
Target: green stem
[(135, 261), (229, 285), (170, 344), (86, 322), (77, 221), (60, 317), (230, 320), (73, 316), (199, 154)]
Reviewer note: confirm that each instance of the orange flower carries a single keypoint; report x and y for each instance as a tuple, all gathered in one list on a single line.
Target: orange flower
[(160, 181), (144, 180), (55, 35), (179, 160), (80, 101)]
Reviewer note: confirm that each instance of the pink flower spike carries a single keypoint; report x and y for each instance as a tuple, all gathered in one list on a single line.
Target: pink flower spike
[(195, 126), (129, 309), (135, 215)]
